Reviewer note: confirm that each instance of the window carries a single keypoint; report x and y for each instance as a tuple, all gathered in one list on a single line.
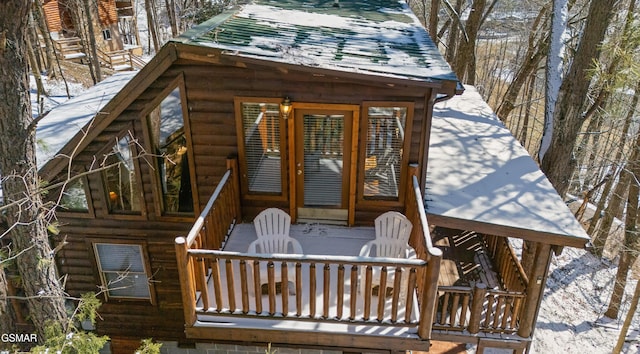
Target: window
[(106, 34), (120, 178), (260, 146), (74, 197), (386, 130), (169, 142), (123, 270)]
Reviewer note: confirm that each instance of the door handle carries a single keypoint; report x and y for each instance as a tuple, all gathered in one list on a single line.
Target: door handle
[(299, 172)]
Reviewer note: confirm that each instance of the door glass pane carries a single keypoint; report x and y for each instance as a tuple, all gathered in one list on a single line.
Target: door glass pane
[(385, 140), (323, 159)]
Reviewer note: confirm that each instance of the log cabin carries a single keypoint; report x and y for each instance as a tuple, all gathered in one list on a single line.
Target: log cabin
[(115, 26), (334, 112)]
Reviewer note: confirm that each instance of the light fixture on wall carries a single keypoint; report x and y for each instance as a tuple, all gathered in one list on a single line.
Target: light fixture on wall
[(285, 108)]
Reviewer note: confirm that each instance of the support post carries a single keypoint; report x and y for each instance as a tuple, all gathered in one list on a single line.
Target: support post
[(185, 275), (429, 295), (537, 279), (479, 292)]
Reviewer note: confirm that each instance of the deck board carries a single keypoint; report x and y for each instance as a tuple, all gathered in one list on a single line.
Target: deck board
[(465, 260)]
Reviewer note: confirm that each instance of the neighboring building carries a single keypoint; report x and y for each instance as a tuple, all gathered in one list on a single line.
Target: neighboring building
[(335, 112), (117, 25)]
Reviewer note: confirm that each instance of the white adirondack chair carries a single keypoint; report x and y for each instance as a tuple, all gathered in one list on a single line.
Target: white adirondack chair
[(392, 241), (272, 228)]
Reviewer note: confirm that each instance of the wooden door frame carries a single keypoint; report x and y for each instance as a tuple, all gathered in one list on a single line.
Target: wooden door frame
[(353, 157)]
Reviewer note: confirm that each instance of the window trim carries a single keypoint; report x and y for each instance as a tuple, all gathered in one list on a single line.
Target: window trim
[(242, 161), (404, 164), (142, 214), (106, 34), (99, 274), (177, 82)]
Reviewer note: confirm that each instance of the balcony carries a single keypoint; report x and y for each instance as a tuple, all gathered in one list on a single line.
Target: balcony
[(327, 297)]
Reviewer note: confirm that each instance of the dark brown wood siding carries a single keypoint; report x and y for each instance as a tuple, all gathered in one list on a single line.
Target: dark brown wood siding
[(210, 92)]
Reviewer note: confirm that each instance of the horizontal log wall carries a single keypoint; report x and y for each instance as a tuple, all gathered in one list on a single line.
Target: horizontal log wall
[(210, 90)]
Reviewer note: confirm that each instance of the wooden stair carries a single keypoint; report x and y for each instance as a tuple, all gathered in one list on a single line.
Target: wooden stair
[(70, 49), (120, 60)]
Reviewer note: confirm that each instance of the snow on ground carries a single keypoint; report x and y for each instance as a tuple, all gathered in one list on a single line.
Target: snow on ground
[(571, 319)]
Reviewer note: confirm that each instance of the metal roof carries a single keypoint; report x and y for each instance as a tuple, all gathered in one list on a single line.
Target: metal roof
[(378, 37)]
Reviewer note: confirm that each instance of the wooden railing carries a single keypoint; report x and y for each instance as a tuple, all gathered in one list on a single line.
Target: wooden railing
[(325, 288), (506, 262), (208, 232), (420, 240), (120, 59), (478, 309), (502, 311)]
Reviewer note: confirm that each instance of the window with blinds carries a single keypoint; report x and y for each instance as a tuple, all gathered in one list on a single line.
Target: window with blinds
[(385, 137), (123, 270), (262, 160), (120, 178)]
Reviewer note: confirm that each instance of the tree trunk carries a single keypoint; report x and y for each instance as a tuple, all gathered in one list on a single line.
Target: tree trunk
[(557, 162), (49, 50), (465, 59), (627, 321), (630, 244), (536, 50), (151, 23), (91, 36), (433, 19), (7, 320), (171, 13), (613, 208), (619, 153), (452, 40), (20, 181)]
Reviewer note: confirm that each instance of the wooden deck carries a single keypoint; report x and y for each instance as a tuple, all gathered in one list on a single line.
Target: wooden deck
[(329, 297), (465, 261), (316, 240)]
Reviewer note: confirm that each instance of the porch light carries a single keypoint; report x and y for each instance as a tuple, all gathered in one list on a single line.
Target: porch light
[(285, 108)]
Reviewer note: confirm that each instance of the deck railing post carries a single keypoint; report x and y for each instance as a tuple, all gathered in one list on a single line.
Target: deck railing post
[(429, 295), (185, 274), (479, 292)]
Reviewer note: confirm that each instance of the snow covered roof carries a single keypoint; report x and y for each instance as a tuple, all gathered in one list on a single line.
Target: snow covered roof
[(480, 177), (58, 127), (375, 37)]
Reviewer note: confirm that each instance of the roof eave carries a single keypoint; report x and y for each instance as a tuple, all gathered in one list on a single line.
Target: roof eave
[(222, 56), (568, 240)]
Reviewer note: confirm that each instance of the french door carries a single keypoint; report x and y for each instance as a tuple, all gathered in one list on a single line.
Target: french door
[(324, 163)]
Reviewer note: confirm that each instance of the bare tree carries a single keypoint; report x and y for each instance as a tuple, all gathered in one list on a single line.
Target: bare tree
[(150, 9), (568, 118), (631, 241), (27, 227), (537, 48)]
